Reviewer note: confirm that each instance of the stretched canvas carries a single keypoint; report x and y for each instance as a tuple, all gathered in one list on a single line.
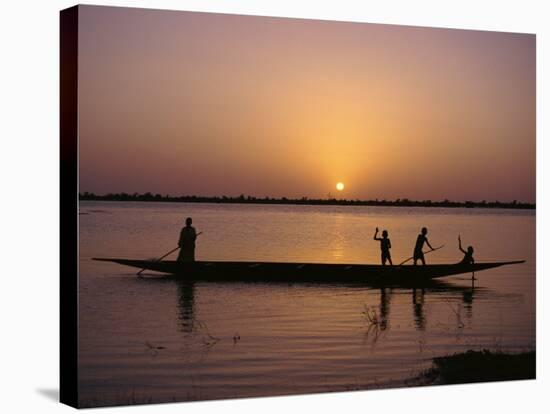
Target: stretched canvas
[(258, 206)]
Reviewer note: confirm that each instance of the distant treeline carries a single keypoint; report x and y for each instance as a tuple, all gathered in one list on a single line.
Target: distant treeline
[(242, 199)]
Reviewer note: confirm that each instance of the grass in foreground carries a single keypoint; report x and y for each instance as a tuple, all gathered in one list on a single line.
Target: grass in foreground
[(481, 366)]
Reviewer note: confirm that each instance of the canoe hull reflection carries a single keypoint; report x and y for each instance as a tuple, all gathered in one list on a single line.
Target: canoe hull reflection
[(303, 272)]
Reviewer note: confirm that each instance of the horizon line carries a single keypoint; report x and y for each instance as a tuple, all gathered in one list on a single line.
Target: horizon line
[(330, 199)]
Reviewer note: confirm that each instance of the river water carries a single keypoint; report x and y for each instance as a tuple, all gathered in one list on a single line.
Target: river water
[(156, 339)]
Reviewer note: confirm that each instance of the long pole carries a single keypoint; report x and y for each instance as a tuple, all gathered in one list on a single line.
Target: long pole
[(412, 257), (170, 252)]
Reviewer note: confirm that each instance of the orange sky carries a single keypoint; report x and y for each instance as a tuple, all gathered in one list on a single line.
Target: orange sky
[(210, 104)]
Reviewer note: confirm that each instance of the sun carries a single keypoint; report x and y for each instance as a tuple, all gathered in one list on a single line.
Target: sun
[(340, 186)]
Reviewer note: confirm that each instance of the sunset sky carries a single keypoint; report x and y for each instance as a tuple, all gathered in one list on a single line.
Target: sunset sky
[(210, 104)]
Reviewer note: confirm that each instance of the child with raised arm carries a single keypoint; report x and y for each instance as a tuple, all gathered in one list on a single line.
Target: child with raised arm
[(468, 254), (385, 246)]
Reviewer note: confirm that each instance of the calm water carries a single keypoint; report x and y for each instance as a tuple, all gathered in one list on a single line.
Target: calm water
[(151, 340)]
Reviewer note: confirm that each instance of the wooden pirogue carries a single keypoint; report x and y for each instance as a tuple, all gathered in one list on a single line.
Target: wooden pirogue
[(304, 272)]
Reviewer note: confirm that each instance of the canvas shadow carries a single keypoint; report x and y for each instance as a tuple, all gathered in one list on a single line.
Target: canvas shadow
[(50, 393)]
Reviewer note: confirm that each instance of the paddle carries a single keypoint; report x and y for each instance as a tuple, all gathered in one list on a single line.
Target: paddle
[(170, 252), (412, 257)]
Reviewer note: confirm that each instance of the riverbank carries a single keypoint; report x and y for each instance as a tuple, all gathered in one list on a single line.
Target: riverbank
[(329, 201), (480, 366)]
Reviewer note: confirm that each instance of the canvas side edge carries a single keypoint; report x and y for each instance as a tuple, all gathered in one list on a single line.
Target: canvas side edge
[(68, 381)]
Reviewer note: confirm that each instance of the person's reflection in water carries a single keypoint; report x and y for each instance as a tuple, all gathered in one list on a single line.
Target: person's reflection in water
[(186, 306), (385, 297), (418, 308), (467, 294), (467, 300)]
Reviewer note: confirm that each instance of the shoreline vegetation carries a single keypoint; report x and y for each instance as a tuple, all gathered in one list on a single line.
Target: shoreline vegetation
[(480, 366), (329, 201)]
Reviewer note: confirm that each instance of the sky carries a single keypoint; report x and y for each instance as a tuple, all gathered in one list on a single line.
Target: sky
[(185, 103)]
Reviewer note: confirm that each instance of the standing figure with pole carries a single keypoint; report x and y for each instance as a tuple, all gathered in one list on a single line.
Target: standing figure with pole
[(420, 240), (186, 242)]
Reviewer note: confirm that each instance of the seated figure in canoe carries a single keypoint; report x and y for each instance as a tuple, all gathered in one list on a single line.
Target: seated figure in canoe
[(420, 240), (188, 236), (385, 246), (468, 253)]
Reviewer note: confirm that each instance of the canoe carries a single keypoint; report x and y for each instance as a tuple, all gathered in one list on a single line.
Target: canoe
[(303, 272)]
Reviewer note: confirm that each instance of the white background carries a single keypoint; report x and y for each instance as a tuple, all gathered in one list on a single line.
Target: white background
[(29, 229)]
